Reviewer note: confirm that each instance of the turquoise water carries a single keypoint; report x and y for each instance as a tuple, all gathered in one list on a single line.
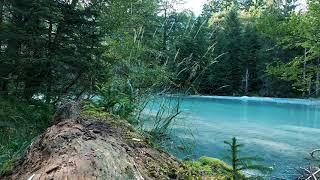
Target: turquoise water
[(282, 131)]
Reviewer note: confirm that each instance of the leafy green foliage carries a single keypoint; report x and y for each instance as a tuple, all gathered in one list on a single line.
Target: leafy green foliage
[(297, 32), (20, 123), (115, 101)]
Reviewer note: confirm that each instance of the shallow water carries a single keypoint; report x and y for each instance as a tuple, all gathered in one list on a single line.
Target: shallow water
[(282, 131)]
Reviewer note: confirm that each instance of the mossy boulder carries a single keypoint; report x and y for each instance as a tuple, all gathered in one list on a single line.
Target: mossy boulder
[(206, 168)]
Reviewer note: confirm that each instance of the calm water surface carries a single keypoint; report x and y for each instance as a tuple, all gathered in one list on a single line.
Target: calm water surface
[(281, 131)]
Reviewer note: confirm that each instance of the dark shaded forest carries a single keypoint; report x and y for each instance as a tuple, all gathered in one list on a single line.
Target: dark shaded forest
[(57, 49)]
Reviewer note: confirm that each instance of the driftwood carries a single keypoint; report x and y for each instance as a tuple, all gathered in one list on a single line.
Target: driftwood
[(311, 172), (313, 153)]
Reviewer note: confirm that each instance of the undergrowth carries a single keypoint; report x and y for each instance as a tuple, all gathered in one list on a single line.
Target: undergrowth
[(20, 123)]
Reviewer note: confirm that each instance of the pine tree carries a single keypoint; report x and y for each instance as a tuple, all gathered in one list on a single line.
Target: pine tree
[(240, 164)]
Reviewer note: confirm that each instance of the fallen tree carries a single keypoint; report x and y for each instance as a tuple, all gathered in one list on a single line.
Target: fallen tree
[(78, 147)]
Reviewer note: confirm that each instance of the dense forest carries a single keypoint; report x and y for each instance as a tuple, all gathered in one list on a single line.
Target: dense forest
[(57, 50)]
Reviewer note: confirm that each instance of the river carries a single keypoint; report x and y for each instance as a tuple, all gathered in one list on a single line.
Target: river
[(281, 131)]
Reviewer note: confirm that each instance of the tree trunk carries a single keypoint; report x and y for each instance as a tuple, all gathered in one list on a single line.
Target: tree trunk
[(309, 87), (3, 82), (318, 79), (61, 25), (304, 69), (52, 44), (1, 10), (165, 29), (49, 75), (3, 87), (13, 48), (49, 90), (247, 81), (304, 64)]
